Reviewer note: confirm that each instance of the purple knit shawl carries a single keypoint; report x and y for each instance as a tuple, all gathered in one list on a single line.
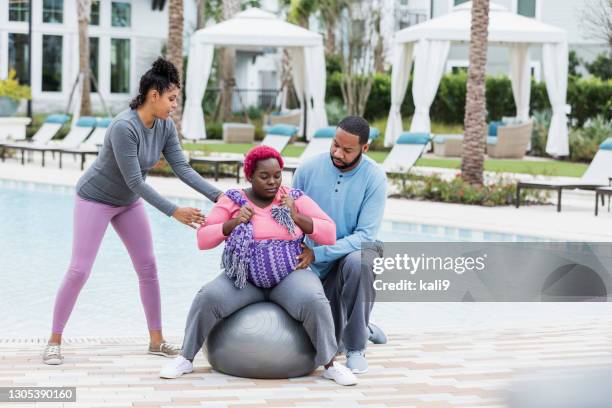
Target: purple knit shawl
[(263, 263)]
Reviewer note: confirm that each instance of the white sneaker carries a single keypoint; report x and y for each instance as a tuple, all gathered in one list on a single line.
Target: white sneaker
[(176, 367), (53, 354), (340, 374)]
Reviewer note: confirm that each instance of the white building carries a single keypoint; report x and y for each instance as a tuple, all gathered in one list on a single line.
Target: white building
[(125, 37)]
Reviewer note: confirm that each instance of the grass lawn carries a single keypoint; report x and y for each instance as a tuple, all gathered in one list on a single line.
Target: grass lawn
[(548, 168)]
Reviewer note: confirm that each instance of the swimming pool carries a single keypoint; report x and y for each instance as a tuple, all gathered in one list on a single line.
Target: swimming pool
[(35, 248)]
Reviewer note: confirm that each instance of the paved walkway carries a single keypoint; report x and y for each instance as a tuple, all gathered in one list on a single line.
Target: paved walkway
[(433, 369)]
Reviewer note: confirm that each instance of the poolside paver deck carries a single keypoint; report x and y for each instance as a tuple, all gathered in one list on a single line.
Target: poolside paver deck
[(423, 368)]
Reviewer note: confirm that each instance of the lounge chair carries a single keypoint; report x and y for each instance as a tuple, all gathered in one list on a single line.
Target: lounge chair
[(406, 151), (511, 141), (598, 174), (320, 143), (284, 118), (77, 134), (51, 125), (91, 146), (277, 137), (238, 133), (448, 145)]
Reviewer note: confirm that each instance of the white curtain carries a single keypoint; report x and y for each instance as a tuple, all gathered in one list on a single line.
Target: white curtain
[(554, 64), (428, 69), (296, 55), (400, 74), (198, 71), (315, 70), (520, 76)]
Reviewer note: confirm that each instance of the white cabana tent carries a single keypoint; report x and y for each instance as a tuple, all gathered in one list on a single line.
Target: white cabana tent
[(428, 45), (255, 29)]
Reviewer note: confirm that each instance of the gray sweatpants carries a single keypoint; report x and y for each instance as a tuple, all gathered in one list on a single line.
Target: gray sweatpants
[(300, 294), (349, 288)]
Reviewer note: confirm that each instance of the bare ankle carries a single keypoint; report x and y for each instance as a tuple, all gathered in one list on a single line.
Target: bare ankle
[(55, 339)]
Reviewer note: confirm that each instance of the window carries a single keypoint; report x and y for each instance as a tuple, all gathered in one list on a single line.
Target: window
[(53, 11), (18, 56), (121, 14), (94, 16), (52, 67), (94, 43), (526, 8), (458, 2), (120, 65), (18, 10)]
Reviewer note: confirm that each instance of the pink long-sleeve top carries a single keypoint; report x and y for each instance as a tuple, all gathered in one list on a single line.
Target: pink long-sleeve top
[(210, 234)]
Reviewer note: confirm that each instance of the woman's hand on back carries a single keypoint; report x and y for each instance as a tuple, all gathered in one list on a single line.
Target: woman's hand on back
[(192, 217)]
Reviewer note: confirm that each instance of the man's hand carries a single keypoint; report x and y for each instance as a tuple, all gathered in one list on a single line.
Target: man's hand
[(305, 258)]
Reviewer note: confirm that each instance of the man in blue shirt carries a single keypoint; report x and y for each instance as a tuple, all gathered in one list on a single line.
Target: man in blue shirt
[(352, 189)]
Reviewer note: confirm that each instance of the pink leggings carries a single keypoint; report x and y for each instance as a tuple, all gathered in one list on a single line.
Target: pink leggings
[(90, 222)]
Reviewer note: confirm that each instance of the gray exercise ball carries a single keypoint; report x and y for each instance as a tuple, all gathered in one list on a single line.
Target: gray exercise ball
[(260, 341)]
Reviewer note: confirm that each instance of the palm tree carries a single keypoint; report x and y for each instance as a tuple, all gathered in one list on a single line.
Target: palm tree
[(83, 12), (174, 49), (227, 61), (472, 160)]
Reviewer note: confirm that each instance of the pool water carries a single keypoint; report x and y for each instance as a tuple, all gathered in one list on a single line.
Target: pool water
[(35, 249)]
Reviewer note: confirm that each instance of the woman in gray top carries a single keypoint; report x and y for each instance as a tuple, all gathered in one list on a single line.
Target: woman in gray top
[(112, 191)]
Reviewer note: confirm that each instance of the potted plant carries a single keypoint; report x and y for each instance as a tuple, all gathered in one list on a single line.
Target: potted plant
[(11, 94)]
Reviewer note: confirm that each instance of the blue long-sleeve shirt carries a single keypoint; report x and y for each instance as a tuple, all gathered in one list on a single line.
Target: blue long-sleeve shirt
[(355, 201)]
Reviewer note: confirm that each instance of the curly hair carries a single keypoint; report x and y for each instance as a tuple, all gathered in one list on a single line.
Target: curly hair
[(358, 126), (257, 154), (162, 75)]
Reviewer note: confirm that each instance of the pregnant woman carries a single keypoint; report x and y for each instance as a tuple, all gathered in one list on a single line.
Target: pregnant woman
[(263, 260), (112, 191)]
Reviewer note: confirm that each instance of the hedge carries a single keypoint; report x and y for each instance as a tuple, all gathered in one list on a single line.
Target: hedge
[(588, 98)]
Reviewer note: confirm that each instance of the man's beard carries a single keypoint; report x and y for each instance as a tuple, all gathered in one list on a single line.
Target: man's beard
[(345, 166)]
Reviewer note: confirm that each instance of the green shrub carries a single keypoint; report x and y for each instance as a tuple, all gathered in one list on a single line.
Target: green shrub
[(588, 97), (335, 110), (584, 142), (539, 135), (434, 188), (11, 88), (601, 67)]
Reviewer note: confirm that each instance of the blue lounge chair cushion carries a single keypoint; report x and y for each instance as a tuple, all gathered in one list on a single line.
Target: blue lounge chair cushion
[(493, 127), (325, 132), (413, 138), (330, 131), (606, 144), (104, 122), (59, 119), (86, 121), (281, 130), (492, 140), (374, 133)]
